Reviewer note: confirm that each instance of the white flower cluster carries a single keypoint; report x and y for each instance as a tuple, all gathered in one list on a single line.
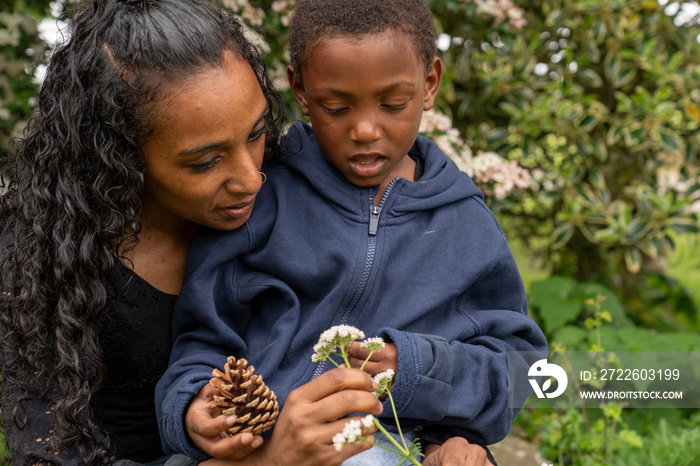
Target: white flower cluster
[(285, 7), (333, 337), (352, 432), (501, 10), (252, 15), (670, 179), (384, 381), (497, 177), (373, 344), (438, 127)]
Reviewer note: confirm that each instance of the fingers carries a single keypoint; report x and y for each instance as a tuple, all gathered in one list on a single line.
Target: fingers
[(331, 382), (357, 353), (207, 429), (379, 361), (456, 451), (233, 447)]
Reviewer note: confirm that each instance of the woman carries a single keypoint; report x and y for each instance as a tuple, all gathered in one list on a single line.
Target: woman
[(154, 117)]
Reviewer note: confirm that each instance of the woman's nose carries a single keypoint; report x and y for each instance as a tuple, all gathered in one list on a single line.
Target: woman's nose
[(245, 176)]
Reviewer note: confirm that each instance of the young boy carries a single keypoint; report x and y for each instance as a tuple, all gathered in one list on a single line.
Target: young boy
[(367, 225)]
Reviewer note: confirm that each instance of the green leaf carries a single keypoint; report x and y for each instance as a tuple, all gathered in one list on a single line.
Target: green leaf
[(607, 235), (684, 225), (561, 235), (591, 78), (625, 77), (670, 140), (614, 135), (633, 259), (554, 305), (630, 437), (636, 230), (572, 336), (612, 66), (600, 31)]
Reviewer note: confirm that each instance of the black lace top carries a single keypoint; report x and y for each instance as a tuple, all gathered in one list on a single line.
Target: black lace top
[(134, 334)]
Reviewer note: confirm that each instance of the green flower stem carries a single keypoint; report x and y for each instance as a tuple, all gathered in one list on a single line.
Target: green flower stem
[(384, 448), (396, 418), (366, 360), (344, 354), (403, 452)]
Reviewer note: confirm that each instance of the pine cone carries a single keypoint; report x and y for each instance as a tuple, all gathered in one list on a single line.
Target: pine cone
[(245, 395)]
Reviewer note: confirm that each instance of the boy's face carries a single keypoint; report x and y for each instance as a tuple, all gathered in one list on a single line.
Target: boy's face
[(365, 97)]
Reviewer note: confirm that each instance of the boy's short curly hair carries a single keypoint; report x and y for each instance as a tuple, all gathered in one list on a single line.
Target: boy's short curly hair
[(316, 19)]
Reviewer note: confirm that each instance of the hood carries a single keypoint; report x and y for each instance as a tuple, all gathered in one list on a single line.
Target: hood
[(442, 182)]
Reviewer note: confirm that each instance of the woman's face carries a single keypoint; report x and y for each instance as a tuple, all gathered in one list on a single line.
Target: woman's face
[(203, 159)]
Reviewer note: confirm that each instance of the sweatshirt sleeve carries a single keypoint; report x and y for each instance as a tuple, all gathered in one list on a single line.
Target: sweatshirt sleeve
[(463, 385), (206, 331)]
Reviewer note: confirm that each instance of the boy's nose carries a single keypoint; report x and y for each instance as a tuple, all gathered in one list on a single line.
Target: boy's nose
[(365, 130)]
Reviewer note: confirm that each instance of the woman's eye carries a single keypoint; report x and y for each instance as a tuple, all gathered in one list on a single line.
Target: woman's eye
[(202, 167), (257, 134)]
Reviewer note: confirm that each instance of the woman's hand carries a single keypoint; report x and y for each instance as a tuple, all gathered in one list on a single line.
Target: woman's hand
[(207, 429), (313, 414), (303, 434), (456, 451)]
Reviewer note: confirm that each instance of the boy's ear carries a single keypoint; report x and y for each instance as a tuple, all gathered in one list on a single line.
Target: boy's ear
[(433, 79), (298, 89)]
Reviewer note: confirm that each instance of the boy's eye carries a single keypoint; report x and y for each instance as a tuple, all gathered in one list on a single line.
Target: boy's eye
[(334, 111), (202, 167), (395, 107)]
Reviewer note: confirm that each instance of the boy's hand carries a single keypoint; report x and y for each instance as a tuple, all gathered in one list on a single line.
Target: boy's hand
[(380, 361), (456, 451), (207, 429)]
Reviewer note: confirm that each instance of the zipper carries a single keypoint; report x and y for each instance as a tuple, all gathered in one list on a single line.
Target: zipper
[(374, 212)]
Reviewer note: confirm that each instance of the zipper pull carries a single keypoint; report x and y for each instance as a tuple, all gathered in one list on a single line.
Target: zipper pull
[(374, 211)]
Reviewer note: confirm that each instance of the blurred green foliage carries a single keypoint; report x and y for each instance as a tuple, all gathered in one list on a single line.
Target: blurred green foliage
[(21, 51), (604, 98)]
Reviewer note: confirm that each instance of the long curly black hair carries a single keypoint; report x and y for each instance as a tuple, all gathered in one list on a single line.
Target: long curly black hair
[(74, 185)]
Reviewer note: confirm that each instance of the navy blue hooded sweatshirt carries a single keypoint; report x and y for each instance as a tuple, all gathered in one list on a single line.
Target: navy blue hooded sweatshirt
[(428, 269)]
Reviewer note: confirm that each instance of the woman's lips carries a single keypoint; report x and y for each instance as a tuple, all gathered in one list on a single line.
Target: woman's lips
[(239, 211)]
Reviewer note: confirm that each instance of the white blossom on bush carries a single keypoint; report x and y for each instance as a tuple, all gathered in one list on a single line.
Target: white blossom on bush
[(670, 178), (493, 175), (501, 10)]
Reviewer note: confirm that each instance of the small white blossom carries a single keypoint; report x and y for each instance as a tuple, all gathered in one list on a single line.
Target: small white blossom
[(339, 336), (338, 441), (384, 381), (367, 421), (387, 374), (373, 344)]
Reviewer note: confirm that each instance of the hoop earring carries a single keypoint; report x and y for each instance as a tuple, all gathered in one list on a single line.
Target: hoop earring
[(264, 177)]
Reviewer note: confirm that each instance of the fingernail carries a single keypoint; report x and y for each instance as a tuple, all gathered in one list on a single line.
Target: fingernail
[(232, 419)]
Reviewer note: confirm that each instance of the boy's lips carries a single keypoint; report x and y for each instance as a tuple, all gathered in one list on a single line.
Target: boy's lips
[(367, 165)]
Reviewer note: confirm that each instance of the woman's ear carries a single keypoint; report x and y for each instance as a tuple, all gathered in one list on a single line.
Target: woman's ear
[(433, 79), (298, 89)]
